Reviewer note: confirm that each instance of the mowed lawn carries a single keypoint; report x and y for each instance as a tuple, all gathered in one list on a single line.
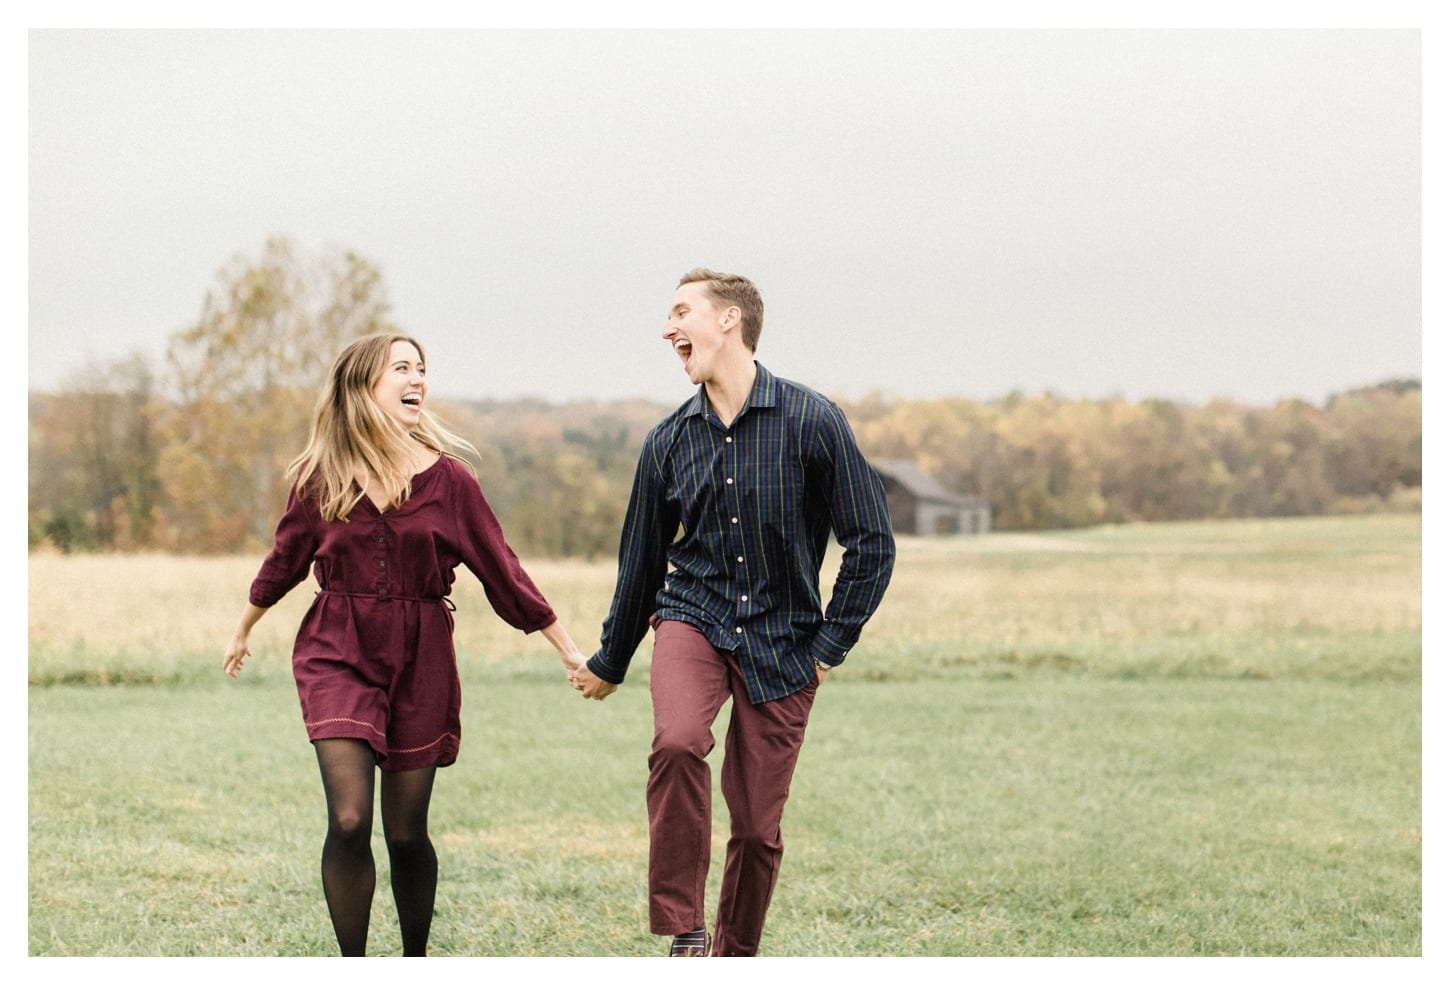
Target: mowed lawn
[(1184, 739)]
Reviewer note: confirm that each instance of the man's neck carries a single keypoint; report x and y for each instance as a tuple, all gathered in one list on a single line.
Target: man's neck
[(730, 389)]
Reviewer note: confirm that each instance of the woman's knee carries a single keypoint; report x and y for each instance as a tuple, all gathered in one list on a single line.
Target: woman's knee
[(350, 823), (410, 843)]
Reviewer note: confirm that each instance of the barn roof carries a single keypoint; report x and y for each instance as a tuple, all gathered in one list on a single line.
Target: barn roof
[(921, 485)]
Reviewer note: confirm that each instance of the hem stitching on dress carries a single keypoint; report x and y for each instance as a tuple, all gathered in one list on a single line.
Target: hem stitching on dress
[(350, 721), (369, 727)]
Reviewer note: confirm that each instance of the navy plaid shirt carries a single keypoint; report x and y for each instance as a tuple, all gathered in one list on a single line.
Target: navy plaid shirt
[(753, 505)]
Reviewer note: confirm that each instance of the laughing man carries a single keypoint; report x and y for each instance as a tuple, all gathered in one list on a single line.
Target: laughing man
[(735, 498)]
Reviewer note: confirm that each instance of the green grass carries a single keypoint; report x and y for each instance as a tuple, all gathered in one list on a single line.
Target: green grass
[(1049, 815), (1115, 749)]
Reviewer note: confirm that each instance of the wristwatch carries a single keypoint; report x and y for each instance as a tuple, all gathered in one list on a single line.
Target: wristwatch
[(822, 666)]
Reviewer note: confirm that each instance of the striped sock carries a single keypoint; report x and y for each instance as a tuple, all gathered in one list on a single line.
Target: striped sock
[(693, 941)]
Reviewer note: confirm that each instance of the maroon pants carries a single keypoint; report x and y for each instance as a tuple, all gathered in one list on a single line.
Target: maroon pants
[(689, 682)]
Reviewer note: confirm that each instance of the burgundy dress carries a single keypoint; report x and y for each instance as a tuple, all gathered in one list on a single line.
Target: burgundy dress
[(374, 655)]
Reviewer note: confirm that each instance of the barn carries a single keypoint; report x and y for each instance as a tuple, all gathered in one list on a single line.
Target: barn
[(922, 506)]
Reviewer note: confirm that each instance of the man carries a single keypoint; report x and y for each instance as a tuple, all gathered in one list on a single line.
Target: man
[(753, 474)]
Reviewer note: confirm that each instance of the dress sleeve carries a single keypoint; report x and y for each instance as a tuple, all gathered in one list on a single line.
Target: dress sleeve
[(293, 546), (486, 553)]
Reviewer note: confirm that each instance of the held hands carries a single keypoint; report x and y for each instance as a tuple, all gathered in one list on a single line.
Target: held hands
[(569, 651), (584, 680)]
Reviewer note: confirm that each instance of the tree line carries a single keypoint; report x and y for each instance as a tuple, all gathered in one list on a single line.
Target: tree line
[(1043, 462), (190, 456)]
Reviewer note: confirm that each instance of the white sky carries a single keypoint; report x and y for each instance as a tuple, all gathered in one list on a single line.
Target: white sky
[(1144, 213)]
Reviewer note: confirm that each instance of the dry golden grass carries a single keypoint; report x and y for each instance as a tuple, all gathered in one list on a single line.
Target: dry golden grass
[(1019, 592), (1091, 595), (150, 610)]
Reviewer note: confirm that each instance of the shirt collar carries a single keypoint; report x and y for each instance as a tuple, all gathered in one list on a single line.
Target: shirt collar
[(762, 394)]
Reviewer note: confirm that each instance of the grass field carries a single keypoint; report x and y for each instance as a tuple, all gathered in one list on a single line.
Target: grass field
[(1195, 739)]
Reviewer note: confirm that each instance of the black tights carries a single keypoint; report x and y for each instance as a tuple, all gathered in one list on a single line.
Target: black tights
[(348, 877)]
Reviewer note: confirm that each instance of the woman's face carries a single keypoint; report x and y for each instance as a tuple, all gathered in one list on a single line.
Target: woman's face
[(402, 387)]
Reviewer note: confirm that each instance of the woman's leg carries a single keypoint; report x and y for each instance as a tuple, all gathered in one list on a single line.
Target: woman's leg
[(348, 875), (406, 796)]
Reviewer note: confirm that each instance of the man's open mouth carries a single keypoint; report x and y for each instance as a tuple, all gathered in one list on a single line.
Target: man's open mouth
[(683, 348)]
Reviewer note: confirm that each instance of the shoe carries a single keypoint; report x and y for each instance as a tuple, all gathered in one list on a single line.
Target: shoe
[(692, 952)]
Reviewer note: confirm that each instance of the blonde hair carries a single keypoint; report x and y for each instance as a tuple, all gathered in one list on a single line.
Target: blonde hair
[(732, 289), (350, 431)]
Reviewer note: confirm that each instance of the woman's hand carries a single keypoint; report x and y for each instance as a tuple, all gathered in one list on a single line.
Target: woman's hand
[(560, 639), (237, 652), (237, 649)]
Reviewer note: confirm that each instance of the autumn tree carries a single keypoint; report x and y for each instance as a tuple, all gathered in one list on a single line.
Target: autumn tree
[(94, 458), (1043, 462), (192, 458), (1373, 446), (245, 377)]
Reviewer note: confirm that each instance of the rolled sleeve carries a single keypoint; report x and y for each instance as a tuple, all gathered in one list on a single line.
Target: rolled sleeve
[(293, 545)]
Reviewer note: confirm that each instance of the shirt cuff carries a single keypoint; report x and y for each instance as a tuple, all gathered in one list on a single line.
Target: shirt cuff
[(825, 650), (603, 671)]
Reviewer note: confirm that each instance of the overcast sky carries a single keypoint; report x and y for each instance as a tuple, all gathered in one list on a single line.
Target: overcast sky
[(1137, 213)]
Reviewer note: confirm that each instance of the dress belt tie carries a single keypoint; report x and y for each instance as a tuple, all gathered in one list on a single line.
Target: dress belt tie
[(447, 602)]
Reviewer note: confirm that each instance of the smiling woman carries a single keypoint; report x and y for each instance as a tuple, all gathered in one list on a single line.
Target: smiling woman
[(382, 512), (365, 439), (401, 388), (399, 394)]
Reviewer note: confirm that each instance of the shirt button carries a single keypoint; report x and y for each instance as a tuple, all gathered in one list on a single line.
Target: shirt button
[(729, 482), (745, 598), (741, 560), (382, 564), (729, 441), (738, 630), (735, 519)]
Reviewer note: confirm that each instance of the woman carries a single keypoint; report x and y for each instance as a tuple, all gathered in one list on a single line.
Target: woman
[(383, 511)]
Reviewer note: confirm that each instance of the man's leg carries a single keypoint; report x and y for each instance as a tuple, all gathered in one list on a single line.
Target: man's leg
[(688, 685), (762, 745)]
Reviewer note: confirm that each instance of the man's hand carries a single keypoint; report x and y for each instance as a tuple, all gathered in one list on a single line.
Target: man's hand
[(587, 683)]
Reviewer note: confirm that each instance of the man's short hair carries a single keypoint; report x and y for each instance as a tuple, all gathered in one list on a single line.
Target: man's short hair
[(732, 289)]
